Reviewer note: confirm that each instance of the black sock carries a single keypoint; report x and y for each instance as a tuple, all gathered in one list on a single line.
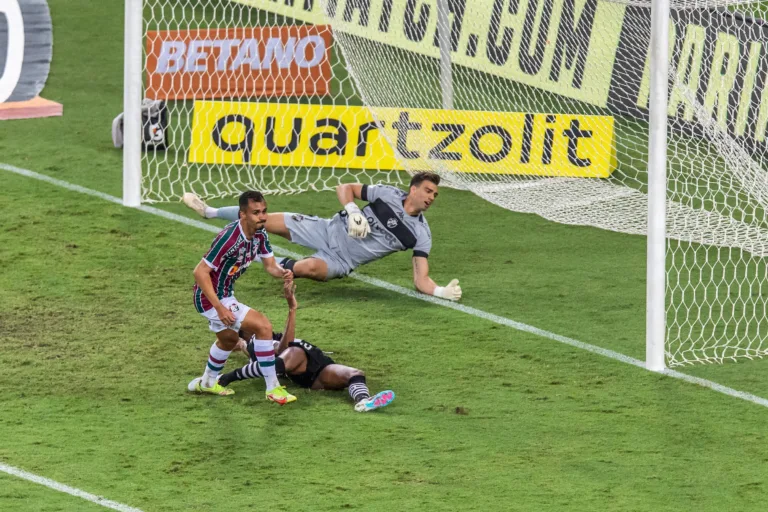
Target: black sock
[(287, 263), (358, 390), (249, 371), (279, 366)]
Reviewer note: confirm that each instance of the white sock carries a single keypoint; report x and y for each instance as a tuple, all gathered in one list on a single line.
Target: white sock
[(265, 355), (210, 212), (216, 359)]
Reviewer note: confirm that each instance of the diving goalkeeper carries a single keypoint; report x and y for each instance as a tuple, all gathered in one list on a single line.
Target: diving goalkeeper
[(391, 221)]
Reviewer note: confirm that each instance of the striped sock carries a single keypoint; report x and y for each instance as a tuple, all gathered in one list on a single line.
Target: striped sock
[(358, 390), (265, 356), (216, 359), (249, 371)]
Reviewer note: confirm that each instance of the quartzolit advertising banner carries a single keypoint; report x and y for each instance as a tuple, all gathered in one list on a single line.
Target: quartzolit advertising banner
[(339, 136)]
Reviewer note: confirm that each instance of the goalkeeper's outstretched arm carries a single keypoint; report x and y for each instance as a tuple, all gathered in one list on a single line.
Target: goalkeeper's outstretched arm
[(426, 285)]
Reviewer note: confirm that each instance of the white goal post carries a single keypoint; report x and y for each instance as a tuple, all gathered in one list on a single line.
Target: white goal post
[(656, 286), (645, 117), (133, 92)]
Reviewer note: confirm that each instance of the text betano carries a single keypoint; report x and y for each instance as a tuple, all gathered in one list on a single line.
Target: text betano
[(238, 62)]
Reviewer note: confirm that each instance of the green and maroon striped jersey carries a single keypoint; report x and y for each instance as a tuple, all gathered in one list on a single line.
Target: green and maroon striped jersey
[(230, 256)]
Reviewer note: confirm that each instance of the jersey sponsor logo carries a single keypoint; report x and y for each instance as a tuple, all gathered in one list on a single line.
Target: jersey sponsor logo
[(271, 134), (234, 62)]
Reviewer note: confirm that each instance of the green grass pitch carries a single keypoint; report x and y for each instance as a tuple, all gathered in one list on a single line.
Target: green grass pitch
[(98, 338)]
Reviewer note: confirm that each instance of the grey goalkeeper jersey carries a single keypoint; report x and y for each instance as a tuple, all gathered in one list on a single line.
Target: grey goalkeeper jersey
[(392, 229)]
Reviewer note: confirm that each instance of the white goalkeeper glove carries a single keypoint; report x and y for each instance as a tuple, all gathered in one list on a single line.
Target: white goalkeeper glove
[(358, 226), (450, 292)]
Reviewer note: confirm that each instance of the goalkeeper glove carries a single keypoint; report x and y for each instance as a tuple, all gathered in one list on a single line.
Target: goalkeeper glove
[(450, 292), (358, 226)]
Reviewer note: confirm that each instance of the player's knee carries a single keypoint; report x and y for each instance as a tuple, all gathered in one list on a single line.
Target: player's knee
[(263, 329), (356, 373), (316, 268)]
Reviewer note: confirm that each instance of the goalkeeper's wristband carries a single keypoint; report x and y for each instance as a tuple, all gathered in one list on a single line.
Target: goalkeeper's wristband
[(438, 291), (352, 208)]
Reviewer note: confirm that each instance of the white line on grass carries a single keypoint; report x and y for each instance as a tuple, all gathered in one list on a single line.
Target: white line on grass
[(56, 486), (410, 293)]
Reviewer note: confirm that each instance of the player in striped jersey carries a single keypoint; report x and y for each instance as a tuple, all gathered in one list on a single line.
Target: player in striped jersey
[(231, 253), (306, 365)]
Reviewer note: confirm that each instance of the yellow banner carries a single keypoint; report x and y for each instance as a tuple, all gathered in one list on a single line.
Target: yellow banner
[(293, 135), (567, 47)]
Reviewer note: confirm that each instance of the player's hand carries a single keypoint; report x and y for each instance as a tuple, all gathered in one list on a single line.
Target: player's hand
[(287, 274), (226, 316), (358, 226), (241, 346), (450, 292), (289, 292)]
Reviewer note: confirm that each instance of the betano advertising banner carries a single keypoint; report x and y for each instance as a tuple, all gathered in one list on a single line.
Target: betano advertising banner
[(238, 62), (339, 136), (588, 50)]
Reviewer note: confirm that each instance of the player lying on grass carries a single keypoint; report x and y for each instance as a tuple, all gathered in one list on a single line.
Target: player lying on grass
[(231, 253), (392, 221), (307, 366)]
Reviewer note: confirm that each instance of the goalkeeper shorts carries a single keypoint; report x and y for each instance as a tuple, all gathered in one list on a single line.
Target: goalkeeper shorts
[(314, 233)]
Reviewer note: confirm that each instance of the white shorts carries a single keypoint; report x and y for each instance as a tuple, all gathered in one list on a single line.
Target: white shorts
[(231, 303)]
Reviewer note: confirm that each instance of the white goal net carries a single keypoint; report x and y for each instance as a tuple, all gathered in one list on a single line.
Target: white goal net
[(538, 106), (236, 81)]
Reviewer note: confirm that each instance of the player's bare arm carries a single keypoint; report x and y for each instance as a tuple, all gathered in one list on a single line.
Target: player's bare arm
[(348, 192), (202, 275), (289, 334), (275, 270), (426, 285)]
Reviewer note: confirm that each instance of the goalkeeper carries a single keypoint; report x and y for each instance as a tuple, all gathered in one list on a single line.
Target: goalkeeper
[(391, 221)]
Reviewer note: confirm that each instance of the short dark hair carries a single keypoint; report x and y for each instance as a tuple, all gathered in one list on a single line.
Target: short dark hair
[(420, 177), (248, 196)]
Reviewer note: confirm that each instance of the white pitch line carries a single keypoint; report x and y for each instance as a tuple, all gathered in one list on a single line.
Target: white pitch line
[(410, 293), (56, 486)]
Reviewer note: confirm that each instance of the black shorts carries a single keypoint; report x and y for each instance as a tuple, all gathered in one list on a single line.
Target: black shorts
[(316, 363)]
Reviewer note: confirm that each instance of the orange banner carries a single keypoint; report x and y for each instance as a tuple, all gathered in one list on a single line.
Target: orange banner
[(239, 62)]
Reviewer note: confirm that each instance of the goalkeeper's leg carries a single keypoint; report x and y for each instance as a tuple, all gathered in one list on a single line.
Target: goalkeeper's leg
[(311, 268), (275, 221)]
